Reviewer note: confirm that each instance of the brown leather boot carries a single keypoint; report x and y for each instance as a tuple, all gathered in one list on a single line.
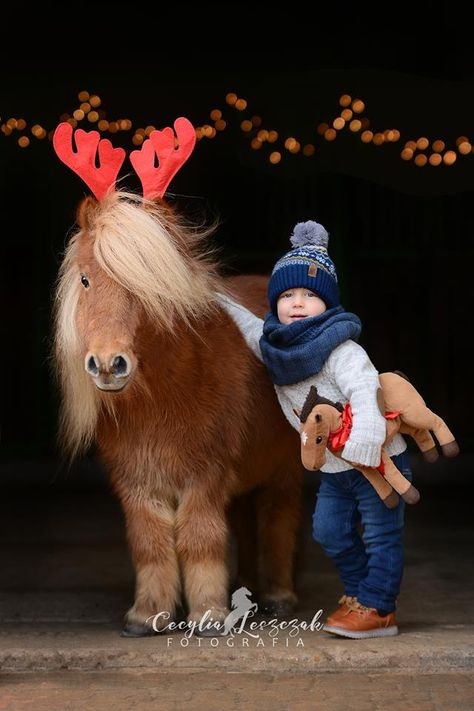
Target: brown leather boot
[(359, 622), (344, 603)]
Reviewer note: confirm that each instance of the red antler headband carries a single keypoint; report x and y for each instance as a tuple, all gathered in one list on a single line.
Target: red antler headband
[(156, 180), (100, 179)]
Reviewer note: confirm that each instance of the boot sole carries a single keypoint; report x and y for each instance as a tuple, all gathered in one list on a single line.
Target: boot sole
[(353, 634)]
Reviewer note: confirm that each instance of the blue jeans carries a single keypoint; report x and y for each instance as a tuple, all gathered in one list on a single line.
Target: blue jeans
[(369, 562)]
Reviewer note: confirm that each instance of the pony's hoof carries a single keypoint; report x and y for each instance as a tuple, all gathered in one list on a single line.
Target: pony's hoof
[(451, 449), (278, 606), (137, 631), (431, 455), (411, 495), (392, 500)]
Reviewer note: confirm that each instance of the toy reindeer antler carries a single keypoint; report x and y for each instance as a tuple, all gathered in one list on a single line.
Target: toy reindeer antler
[(98, 179), (154, 179)]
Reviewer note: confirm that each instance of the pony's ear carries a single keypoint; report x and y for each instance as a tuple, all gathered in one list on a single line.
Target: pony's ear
[(318, 417), (86, 211), (313, 390), (297, 413)]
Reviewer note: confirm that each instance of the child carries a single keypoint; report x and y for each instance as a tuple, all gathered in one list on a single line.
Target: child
[(307, 339)]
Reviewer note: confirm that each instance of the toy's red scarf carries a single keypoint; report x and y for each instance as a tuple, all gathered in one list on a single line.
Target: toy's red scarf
[(339, 437)]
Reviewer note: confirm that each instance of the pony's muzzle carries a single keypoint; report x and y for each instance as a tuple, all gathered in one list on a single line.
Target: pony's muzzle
[(111, 373)]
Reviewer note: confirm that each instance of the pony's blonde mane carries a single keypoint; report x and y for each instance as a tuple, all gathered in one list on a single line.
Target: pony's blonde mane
[(159, 259)]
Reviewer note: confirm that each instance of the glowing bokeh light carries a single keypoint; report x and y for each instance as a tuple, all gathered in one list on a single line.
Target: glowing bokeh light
[(358, 106), (449, 158), (464, 148), (422, 143), (421, 160), (435, 159)]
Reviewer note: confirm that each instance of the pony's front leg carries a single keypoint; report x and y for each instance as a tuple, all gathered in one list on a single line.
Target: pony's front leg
[(151, 540), (201, 542)]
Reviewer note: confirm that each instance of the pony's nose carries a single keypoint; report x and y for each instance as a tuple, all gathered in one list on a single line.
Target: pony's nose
[(120, 365), (117, 364), (92, 365)]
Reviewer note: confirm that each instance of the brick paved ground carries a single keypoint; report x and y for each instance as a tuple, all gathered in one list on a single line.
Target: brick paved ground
[(219, 691)]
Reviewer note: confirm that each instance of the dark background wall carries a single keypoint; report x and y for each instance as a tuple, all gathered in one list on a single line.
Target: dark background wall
[(400, 235)]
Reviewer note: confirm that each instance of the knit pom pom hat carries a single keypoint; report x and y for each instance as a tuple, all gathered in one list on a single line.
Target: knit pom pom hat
[(307, 266)]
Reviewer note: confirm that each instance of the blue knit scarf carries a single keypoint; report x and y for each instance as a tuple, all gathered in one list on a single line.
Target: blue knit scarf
[(298, 350)]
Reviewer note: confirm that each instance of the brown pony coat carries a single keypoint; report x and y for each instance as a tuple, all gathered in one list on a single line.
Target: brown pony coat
[(197, 426)]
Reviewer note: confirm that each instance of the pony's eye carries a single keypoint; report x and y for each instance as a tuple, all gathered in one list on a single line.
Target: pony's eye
[(84, 281), (319, 439)]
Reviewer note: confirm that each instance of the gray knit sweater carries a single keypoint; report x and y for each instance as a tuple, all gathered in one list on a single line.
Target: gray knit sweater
[(348, 375)]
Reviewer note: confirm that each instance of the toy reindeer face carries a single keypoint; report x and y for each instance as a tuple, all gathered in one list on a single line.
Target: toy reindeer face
[(314, 433)]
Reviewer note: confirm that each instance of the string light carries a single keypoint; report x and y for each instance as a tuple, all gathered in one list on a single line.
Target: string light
[(253, 127)]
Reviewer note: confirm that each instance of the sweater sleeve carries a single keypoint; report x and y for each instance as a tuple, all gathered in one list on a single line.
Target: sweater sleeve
[(250, 326), (357, 379)]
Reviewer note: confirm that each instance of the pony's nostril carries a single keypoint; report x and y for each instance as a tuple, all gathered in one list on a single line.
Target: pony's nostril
[(119, 365), (91, 366)]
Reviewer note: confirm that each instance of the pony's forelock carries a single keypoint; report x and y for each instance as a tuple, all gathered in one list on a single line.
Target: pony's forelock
[(165, 264)]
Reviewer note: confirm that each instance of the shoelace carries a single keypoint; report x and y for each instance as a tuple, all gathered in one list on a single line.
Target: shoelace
[(347, 599), (355, 606)]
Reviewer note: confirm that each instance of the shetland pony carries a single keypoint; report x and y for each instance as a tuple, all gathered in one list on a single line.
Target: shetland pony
[(185, 418)]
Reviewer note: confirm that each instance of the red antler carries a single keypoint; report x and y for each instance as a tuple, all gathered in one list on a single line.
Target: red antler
[(156, 180), (100, 179)]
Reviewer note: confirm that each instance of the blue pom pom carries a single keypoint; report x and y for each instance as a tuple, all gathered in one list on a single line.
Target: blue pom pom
[(309, 234)]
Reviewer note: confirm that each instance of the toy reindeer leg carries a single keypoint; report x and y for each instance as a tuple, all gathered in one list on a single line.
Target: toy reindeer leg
[(407, 491), (381, 486)]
